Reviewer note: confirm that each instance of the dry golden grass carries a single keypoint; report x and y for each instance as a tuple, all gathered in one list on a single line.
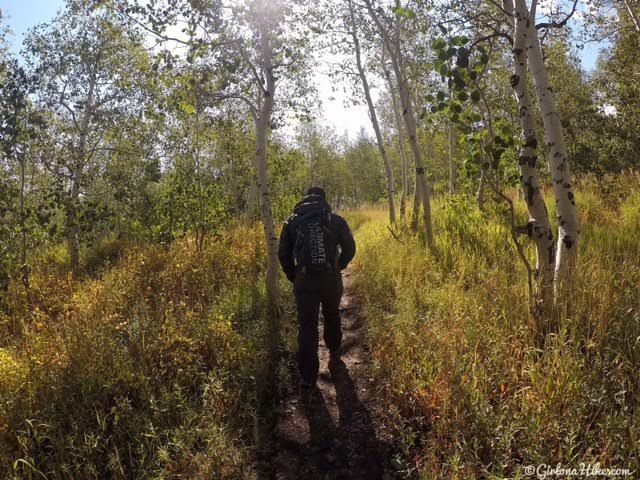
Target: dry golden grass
[(454, 352), (152, 369)]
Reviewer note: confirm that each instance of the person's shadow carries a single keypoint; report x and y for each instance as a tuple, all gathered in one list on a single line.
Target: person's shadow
[(348, 451), (365, 454)]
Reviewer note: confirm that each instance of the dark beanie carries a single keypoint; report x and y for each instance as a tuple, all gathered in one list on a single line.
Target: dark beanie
[(316, 191)]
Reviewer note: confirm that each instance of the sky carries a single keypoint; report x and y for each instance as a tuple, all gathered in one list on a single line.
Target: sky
[(20, 15)]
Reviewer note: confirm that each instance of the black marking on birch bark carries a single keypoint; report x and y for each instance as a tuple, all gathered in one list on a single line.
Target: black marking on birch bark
[(568, 242), (531, 193), (518, 51), (531, 142), (420, 170), (514, 80), (567, 185), (570, 196)]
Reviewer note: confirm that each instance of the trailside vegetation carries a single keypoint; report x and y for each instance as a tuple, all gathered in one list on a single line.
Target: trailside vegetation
[(150, 150)]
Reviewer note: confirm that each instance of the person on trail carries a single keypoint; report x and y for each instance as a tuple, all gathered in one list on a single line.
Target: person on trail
[(315, 246)]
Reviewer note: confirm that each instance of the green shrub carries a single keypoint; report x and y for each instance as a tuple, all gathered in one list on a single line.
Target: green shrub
[(452, 346), (151, 370)]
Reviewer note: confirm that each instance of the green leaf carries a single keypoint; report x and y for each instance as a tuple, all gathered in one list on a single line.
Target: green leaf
[(439, 44), (187, 108), (403, 12), (459, 41)]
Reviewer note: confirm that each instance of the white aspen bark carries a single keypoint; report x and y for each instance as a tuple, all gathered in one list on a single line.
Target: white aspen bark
[(404, 172), (480, 192), (24, 269), (567, 246), (538, 227), (373, 117), (77, 170), (416, 206), (452, 163), (262, 120), (393, 48), (632, 14), (403, 158)]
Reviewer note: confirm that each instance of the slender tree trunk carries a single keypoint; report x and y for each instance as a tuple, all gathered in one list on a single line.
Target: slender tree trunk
[(393, 48), (403, 160), (480, 192), (632, 14), (77, 170), (538, 228), (72, 223), (404, 172), (24, 269), (262, 120), (567, 247), (453, 167), (415, 215), (373, 116)]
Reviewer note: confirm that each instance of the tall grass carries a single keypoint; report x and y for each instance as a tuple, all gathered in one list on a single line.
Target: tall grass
[(151, 369), (457, 358)]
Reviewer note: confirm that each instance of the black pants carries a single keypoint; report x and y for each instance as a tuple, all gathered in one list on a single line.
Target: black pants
[(310, 292)]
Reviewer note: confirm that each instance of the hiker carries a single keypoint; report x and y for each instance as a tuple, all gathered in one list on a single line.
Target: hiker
[(315, 246)]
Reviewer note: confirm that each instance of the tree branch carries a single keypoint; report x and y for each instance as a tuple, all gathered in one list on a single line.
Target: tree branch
[(559, 24)]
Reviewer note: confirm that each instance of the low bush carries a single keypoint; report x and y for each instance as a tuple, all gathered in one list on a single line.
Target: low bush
[(153, 369), (456, 357)]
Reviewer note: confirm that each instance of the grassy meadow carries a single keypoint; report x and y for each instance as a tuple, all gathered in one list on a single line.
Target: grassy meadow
[(150, 366), (153, 364), (455, 354)]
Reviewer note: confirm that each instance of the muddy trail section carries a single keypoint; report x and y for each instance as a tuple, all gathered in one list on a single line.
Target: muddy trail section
[(335, 430)]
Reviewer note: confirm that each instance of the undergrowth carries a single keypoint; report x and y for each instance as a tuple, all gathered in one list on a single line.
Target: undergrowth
[(150, 366), (454, 351)]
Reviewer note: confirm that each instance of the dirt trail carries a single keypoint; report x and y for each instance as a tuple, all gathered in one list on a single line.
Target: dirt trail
[(334, 431)]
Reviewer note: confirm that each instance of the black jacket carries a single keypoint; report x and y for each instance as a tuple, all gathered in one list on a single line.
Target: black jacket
[(338, 226)]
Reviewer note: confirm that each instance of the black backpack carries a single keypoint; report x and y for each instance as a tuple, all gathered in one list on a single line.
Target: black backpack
[(314, 251)]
